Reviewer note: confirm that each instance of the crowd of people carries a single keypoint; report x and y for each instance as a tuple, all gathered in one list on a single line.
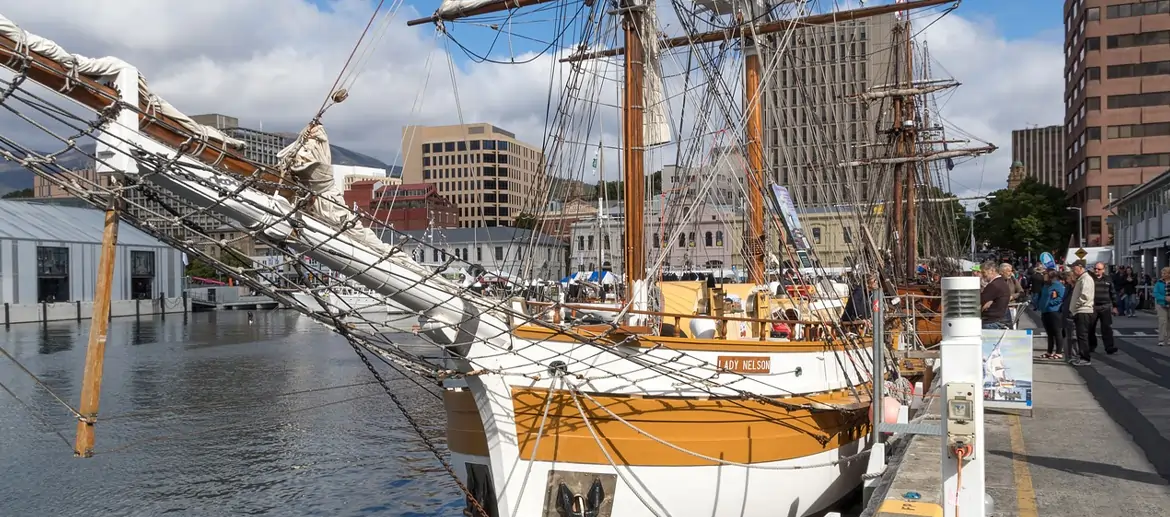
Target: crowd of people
[(1075, 305)]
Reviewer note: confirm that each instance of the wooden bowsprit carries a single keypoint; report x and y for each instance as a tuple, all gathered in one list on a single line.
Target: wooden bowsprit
[(91, 384)]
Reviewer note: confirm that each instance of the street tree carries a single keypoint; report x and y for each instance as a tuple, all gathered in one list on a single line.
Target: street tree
[(525, 220), (1032, 215)]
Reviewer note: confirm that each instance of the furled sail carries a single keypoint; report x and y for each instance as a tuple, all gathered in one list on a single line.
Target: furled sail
[(453, 7), (310, 160), (655, 117), (105, 68)]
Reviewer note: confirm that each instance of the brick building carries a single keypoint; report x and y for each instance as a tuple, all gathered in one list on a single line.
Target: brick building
[(1117, 103), (409, 207)]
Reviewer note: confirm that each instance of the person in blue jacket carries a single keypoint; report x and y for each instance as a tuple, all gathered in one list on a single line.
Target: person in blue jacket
[(1162, 305), (1050, 304)]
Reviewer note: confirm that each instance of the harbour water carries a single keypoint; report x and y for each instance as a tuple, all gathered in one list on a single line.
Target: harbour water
[(210, 415)]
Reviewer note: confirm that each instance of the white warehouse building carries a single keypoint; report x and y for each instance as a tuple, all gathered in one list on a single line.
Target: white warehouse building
[(49, 262), (504, 249)]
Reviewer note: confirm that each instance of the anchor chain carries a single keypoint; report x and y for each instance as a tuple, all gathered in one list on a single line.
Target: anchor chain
[(415, 425)]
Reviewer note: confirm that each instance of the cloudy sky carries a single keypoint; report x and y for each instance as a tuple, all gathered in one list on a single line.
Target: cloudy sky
[(271, 63)]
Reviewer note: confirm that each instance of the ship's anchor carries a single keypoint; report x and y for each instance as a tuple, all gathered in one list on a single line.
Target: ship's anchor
[(573, 505)]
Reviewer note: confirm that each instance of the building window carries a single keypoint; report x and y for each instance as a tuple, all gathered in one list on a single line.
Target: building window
[(52, 274), (708, 239), (1093, 103), (847, 235), (449, 147), (1094, 163), (426, 148), (691, 239), (719, 238), (1093, 73), (1119, 191), (1094, 225), (1141, 39), (605, 241), (141, 274), (1138, 69), (1092, 193), (682, 240), (816, 233), (478, 254), (499, 253), (590, 247), (474, 145), (1139, 130), (465, 254), (1093, 43), (1138, 9), (1093, 133), (1129, 161), (1093, 14), (1139, 100)]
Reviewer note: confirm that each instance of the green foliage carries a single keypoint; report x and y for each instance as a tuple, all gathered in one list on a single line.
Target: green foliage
[(18, 194), (615, 190), (525, 220), (199, 268), (1030, 213), (232, 257)]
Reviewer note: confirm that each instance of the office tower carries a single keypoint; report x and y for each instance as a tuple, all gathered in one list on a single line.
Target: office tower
[(1037, 152), (814, 120), (490, 175), (1117, 103)]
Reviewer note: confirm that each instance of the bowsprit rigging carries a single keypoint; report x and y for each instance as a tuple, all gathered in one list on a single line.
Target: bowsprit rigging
[(693, 384)]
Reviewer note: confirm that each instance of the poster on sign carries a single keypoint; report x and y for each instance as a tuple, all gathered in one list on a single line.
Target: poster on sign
[(1007, 369)]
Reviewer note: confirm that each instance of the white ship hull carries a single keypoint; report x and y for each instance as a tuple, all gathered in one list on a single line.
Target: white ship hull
[(772, 469)]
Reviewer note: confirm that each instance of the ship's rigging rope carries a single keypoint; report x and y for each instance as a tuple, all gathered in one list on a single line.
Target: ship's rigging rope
[(160, 211), (394, 355)]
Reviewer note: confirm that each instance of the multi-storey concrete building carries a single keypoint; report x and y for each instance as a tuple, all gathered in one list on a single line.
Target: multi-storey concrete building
[(1117, 103), (1037, 151), (490, 175), (813, 117)]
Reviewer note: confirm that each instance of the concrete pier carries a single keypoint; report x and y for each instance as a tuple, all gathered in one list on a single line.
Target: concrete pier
[(1097, 443)]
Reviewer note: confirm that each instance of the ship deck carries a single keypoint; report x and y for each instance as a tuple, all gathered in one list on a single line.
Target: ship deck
[(1097, 443)]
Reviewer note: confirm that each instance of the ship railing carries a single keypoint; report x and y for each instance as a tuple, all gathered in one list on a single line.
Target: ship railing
[(814, 330)]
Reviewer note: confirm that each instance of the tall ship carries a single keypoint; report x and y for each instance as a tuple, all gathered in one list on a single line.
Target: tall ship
[(707, 394)]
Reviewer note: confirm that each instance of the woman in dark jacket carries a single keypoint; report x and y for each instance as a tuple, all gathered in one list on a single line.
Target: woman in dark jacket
[(1069, 328), (1052, 304)]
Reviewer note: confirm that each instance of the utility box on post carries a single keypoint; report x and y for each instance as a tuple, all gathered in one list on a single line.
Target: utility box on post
[(962, 375)]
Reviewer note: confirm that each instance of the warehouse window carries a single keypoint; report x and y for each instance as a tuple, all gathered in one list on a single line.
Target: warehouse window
[(52, 274), (142, 274)]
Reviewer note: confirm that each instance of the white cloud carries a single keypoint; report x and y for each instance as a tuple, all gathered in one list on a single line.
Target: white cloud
[(272, 62), (1006, 84)]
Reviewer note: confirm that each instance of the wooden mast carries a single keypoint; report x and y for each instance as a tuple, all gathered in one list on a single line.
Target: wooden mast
[(91, 383), (755, 240), (633, 125), (909, 137)]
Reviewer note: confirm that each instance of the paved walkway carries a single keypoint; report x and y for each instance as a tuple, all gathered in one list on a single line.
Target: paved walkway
[(1097, 444)]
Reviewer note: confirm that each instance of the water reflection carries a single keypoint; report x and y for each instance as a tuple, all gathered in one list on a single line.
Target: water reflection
[(216, 417), (56, 337)]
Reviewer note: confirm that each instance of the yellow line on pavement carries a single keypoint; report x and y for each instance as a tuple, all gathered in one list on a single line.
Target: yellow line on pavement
[(1025, 493)]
